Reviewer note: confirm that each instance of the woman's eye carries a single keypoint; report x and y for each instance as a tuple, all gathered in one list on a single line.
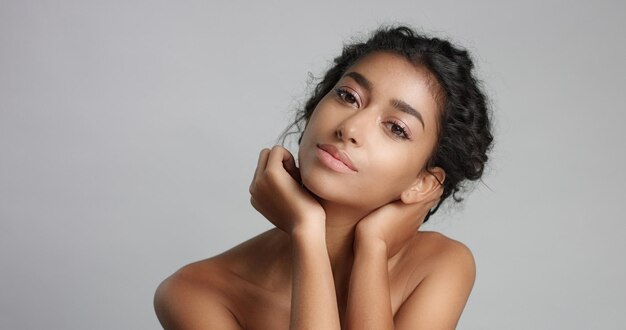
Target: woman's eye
[(398, 130), (347, 96)]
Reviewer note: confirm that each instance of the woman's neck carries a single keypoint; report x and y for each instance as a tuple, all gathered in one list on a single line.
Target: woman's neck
[(341, 222)]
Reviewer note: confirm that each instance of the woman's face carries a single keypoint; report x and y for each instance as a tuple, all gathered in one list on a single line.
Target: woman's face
[(381, 115)]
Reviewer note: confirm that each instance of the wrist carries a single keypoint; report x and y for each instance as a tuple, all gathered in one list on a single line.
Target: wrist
[(367, 240), (309, 230)]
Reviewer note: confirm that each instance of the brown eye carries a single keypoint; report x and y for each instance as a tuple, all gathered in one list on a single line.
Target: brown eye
[(398, 130), (347, 96)]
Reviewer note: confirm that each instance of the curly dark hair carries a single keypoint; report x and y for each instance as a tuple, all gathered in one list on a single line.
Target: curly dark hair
[(464, 124)]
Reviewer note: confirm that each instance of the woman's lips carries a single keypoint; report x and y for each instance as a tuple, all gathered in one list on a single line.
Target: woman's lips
[(335, 158)]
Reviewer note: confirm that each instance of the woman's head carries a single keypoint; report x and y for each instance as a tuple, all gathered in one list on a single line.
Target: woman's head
[(406, 109)]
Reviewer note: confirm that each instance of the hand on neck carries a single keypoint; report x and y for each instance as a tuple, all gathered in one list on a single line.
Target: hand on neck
[(341, 221)]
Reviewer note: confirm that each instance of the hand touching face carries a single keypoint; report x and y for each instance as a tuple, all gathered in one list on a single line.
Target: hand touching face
[(395, 223), (276, 192), (382, 116)]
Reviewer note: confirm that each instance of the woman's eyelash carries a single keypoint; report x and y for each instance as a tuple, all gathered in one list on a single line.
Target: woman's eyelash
[(344, 94), (404, 134)]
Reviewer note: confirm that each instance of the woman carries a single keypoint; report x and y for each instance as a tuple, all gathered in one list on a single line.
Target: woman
[(393, 129)]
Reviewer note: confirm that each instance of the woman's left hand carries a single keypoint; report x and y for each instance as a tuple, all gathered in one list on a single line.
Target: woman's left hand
[(394, 223)]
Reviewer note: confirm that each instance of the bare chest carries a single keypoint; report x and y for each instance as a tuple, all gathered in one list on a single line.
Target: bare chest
[(257, 308)]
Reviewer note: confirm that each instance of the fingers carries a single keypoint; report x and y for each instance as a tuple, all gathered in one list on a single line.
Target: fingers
[(262, 163), (401, 210), (279, 155), (260, 167), (281, 158), (289, 163), (276, 159)]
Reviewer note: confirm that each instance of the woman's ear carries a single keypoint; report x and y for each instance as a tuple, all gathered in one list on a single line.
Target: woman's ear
[(425, 187)]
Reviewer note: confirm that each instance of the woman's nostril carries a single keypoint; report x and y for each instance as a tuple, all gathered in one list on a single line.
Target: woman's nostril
[(339, 133)]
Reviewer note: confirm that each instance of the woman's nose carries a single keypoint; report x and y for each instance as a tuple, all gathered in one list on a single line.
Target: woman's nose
[(353, 130), (349, 140)]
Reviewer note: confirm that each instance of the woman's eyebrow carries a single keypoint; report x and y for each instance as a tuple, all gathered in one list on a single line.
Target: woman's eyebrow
[(406, 108), (398, 104), (360, 79)]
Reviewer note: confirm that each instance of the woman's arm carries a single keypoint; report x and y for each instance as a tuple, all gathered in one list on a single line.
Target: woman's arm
[(278, 195), (436, 303), (369, 300), (313, 299)]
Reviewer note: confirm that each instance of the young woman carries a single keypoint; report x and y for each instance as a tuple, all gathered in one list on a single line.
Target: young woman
[(395, 127)]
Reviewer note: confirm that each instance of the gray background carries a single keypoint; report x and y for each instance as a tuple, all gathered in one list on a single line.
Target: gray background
[(129, 132)]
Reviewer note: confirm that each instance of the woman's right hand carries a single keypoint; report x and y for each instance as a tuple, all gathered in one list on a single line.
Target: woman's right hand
[(277, 192)]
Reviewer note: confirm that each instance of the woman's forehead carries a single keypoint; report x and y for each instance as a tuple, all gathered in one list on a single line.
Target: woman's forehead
[(390, 67)]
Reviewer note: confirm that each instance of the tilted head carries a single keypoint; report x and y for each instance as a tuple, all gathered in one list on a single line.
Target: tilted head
[(406, 71)]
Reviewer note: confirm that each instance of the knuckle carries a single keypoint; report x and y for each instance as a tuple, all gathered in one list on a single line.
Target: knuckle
[(269, 173), (277, 148), (263, 152), (273, 175)]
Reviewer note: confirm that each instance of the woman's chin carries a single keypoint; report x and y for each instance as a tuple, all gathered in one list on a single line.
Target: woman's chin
[(321, 189), (318, 189), (325, 191)]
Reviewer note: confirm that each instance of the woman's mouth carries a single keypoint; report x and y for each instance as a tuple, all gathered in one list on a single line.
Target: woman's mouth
[(335, 159)]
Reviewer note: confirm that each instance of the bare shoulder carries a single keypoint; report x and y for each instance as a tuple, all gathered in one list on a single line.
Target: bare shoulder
[(435, 254), (443, 248), (441, 282), (214, 293), (195, 297), (429, 250)]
